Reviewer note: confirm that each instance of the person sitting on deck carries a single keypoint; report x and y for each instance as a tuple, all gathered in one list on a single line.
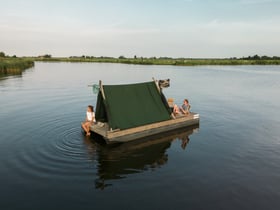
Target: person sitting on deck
[(90, 119), (185, 109)]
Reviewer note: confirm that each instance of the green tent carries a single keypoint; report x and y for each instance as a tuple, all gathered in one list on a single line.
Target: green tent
[(131, 105)]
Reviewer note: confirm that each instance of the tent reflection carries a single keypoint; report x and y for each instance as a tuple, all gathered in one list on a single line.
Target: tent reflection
[(117, 161)]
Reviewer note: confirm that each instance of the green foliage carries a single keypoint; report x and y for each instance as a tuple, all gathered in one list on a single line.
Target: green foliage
[(14, 65), (2, 54), (264, 57), (254, 60), (47, 56)]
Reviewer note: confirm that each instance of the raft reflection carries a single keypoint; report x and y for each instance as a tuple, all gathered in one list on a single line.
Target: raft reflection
[(117, 161)]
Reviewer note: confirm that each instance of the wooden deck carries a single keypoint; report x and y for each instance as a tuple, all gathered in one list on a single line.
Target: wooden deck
[(145, 130)]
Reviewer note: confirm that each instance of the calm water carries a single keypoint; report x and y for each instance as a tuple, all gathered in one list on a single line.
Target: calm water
[(231, 162)]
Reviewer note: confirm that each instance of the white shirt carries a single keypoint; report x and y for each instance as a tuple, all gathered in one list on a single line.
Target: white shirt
[(91, 116)]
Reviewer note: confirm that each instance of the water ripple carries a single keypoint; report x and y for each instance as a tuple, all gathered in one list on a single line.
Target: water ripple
[(57, 151)]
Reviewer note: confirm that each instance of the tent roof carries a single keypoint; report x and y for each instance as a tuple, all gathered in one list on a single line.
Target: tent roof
[(131, 105)]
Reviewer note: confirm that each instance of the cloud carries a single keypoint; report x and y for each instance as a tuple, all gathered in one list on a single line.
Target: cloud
[(185, 37)]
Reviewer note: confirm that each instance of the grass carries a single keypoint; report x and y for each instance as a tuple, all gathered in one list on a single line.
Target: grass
[(14, 66), (165, 61)]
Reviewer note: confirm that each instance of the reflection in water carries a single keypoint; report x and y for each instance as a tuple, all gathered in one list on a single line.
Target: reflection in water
[(117, 161), (13, 73), (4, 76)]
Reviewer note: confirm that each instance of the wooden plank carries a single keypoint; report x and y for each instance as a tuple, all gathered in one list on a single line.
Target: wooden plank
[(146, 130), (151, 129), (134, 136), (100, 130), (152, 126), (156, 139)]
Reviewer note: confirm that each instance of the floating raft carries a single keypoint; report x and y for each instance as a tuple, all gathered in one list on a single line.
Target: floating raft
[(134, 111), (115, 136)]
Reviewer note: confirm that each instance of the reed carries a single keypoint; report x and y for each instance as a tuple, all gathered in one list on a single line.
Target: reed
[(10, 65)]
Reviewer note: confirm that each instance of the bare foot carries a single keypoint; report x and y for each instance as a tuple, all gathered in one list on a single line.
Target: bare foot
[(88, 134)]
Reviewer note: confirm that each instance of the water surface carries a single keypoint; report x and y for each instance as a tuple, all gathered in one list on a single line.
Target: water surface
[(230, 162)]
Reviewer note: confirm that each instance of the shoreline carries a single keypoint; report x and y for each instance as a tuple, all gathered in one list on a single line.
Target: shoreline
[(15, 66), (163, 61)]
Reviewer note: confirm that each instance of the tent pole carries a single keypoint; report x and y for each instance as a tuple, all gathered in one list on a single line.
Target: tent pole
[(101, 89), (156, 85)]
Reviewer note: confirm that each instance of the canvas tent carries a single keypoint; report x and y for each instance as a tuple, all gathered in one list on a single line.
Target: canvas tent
[(131, 105)]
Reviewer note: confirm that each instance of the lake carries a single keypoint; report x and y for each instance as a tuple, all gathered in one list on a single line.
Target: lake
[(232, 161)]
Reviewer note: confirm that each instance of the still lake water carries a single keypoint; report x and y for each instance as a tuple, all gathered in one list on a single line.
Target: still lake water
[(231, 162)]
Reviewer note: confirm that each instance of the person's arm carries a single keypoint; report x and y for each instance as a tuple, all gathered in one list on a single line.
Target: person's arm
[(187, 111), (93, 117)]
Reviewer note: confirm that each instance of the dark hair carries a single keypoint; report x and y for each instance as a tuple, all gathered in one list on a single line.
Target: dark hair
[(186, 100), (91, 107)]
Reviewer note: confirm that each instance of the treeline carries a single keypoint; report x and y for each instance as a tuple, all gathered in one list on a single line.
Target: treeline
[(264, 57), (254, 57), (9, 64), (250, 60), (3, 55)]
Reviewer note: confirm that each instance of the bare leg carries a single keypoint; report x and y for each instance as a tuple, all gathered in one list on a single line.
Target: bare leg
[(88, 128), (176, 109), (84, 126)]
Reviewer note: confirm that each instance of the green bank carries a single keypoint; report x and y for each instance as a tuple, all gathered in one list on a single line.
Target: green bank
[(165, 61), (14, 66)]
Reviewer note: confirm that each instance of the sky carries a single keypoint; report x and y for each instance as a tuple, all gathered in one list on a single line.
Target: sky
[(172, 28)]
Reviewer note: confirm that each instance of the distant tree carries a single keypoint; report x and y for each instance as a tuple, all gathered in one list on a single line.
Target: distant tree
[(46, 56), (256, 57), (135, 57), (165, 58), (121, 57), (2, 54), (14, 56), (264, 57)]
